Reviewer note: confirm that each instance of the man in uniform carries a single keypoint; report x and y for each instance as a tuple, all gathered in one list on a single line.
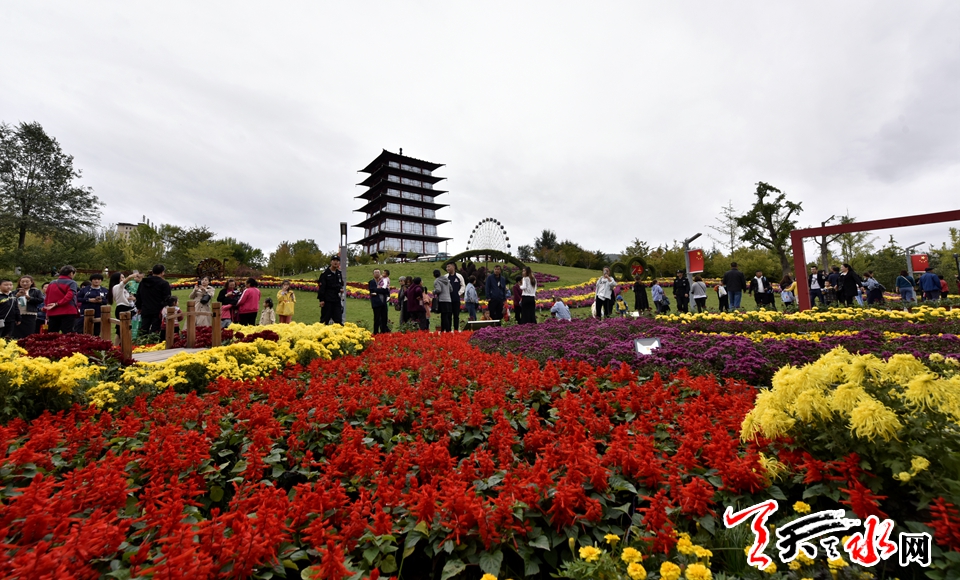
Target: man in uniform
[(329, 293)]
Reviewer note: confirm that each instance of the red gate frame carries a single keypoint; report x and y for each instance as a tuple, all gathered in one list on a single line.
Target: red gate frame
[(797, 236)]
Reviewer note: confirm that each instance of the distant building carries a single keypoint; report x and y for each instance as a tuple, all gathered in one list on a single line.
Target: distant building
[(400, 209), (125, 229)]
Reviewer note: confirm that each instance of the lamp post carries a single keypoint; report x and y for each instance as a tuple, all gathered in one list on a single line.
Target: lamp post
[(343, 269), (686, 261), (909, 261)]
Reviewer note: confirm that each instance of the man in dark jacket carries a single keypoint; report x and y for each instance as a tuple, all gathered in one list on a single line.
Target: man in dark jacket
[(816, 283), (734, 283), (152, 297), (762, 291), (495, 288), (93, 298), (330, 292), (379, 298), (9, 311), (681, 291)]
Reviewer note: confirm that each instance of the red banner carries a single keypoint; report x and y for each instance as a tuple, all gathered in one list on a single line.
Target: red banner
[(637, 270), (696, 261), (920, 262)]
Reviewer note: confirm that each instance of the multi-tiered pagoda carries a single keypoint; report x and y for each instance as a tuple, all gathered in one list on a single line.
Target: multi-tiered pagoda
[(400, 209)]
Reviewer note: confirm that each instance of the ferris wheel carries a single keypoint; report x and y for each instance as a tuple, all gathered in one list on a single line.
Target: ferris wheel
[(489, 234)]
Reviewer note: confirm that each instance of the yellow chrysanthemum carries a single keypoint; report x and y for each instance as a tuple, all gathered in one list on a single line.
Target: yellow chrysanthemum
[(771, 568), (631, 555), (926, 391), (611, 539), (636, 572), (846, 396), (590, 553), (801, 507), (918, 464), (837, 563), (669, 571), (488, 577), (685, 546), (702, 553), (903, 476), (698, 572), (871, 419)]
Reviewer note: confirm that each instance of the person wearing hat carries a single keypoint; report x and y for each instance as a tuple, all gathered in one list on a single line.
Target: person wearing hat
[(329, 291), (681, 291), (930, 285)]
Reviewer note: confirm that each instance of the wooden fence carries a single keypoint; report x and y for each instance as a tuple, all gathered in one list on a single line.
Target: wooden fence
[(126, 331)]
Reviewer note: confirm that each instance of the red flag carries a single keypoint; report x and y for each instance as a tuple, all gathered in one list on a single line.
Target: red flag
[(920, 262), (637, 270), (696, 261)]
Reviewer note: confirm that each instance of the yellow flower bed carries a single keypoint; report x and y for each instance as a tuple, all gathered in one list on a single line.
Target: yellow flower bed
[(919, 314), (297, 343), (758, 335), (875, 397), (21, 372)]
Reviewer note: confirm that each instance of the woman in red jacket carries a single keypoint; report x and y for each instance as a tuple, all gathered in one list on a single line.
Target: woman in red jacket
[(249, 303), (61, 302)]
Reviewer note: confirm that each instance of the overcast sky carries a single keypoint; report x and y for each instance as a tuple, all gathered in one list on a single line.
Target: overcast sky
[(603, 121)]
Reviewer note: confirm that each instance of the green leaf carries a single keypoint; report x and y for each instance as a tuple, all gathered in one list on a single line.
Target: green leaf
[(776, 493), (814, 490), (216, 493), (408, 550), (388, 565), (542, 542), (490, 561), (451, 569), (422, 528), (716, 481), (708, 523), (370, 554)]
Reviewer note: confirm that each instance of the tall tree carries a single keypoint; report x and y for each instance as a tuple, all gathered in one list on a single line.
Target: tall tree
[(855, 247), (38, 193), (636, 248), (727, 228), (769, 222), (525, 253)]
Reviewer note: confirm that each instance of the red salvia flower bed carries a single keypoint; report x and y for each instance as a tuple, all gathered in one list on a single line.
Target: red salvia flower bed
[(422, 451), (56, 346)]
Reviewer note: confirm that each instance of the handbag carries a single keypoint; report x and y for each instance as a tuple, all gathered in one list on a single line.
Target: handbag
[(205, 299), (435, 305)]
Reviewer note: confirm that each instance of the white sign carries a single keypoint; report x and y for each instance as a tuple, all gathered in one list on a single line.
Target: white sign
[(646, 345)]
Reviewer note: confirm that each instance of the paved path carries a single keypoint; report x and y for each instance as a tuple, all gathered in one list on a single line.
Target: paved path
[(162, 355)]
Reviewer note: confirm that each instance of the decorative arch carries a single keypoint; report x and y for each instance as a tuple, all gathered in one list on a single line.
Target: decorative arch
[(492, 253), (797, 236)]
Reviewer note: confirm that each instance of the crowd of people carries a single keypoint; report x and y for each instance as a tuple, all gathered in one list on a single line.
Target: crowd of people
[(58, 305)]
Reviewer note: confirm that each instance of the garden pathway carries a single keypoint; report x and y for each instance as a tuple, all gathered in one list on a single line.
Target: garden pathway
[(162, 355)]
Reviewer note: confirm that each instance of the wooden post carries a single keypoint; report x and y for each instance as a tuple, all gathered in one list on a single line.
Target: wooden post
[(105, 323), (88, 321), (215, 335), (170, 318), (191, 323), (126, 335)]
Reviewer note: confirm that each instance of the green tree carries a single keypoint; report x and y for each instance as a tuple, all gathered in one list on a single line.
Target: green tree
[(855, 247), (38, 190), (727, 228), (111, 249), (145, 248), (769, 222), (306, 256), (636, 248), (281, 260), (179, 242), (525, 253), (545, 246)]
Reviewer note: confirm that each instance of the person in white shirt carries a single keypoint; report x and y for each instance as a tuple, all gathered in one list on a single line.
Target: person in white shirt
[(560, 310), (528, 300), (817, 284), (604, 300)]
